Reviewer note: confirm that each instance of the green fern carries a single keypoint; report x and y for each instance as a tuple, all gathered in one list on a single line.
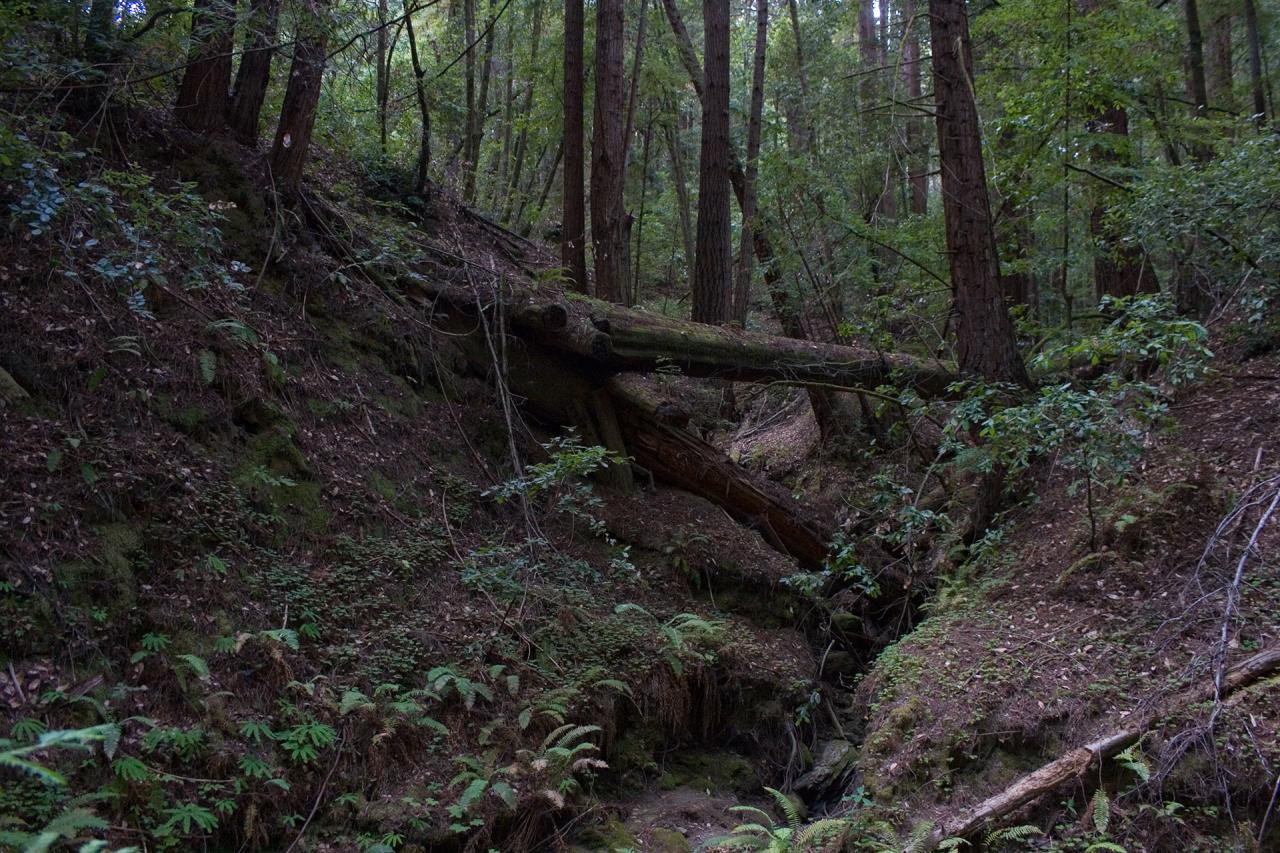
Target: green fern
[(1011, 833), (1133, 759), (1100, 807), (208, 366), (1110, 846)]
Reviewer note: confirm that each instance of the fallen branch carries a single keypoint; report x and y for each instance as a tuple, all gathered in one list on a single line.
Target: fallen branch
[(1079, 761)]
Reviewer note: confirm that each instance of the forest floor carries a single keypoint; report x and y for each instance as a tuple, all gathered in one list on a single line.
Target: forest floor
[(253, 515)]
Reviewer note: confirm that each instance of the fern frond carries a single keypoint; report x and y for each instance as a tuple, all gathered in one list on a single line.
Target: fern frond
[(1101, 808), (825, 830), (788, 807), (1012, 833)]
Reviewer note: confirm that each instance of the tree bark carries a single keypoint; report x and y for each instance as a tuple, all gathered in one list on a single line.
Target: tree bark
[(742, 288), (1197, 89), (202, 94), (382, 91), (424, 109), (302, 95), (712, 261), (677, 456), (986, 345), (1119, 269), (469, 87), (254, 73), (573, 248), (681, 181), (832, 417), (526, 112), (97, 36), (1219, 80), (476, 139), (1255, 64), (610, 231), (917, 142)]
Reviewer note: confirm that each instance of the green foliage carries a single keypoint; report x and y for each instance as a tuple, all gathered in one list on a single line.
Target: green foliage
[(792, 837), (304, 741), (684, 636)]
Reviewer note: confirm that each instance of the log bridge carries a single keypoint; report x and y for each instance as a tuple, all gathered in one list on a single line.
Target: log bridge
[(574, 361)]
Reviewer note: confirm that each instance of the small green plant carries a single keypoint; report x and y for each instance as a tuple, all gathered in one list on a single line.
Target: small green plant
[(793, 836), (685, 635)]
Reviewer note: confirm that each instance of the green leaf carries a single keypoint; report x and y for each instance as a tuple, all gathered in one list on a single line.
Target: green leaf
[(506, 793)]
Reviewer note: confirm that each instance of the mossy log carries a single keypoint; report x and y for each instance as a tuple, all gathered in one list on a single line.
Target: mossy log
[(1077, 762), (614, 339)]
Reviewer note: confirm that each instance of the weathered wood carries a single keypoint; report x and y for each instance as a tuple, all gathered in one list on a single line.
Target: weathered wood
[(677, 456), (1076, 762), (616, 339), (643, 342)]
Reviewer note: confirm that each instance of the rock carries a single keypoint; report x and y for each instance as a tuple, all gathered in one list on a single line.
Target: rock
[(11, 393), (835, 760)]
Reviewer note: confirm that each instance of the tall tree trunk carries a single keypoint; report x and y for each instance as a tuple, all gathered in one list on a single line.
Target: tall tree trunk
[(476, 138), (1197, 89), (984, 333), (917, 142), (832, 415), (381, 89), (634, 296), (807, 137), (526, 111), (742, 288), (424, 110), (301, 96), (202, 94), (573, 248), (681, 181), (1119, 269), (634, 87), (1219, 81), (610, 233), (254, 73), (469, 84), (1190, 285), (712, 262), (98, 35), (1255, 64)]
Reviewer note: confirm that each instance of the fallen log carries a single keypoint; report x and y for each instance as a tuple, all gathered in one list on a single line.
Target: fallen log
[(614, 339), (643, 342), (1079, 761), (677, 456)]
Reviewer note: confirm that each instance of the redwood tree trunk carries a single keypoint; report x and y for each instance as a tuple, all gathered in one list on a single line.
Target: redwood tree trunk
[(1255, 64), (610, 235), (424, 109), (526, 110), (202, 94), (255, 71), (573, 248), (742, 288), (985, 340), (712, 264), (301, 96), (481, 110), (1219, 80), (917, 143), (1119, 269)]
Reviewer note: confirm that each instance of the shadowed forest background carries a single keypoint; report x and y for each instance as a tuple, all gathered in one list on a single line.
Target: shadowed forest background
[(500, 425)]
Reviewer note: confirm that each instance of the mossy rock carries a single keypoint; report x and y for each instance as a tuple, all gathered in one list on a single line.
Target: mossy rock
[(607, 837), (706, 770), (191, 420), (667, 841)]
